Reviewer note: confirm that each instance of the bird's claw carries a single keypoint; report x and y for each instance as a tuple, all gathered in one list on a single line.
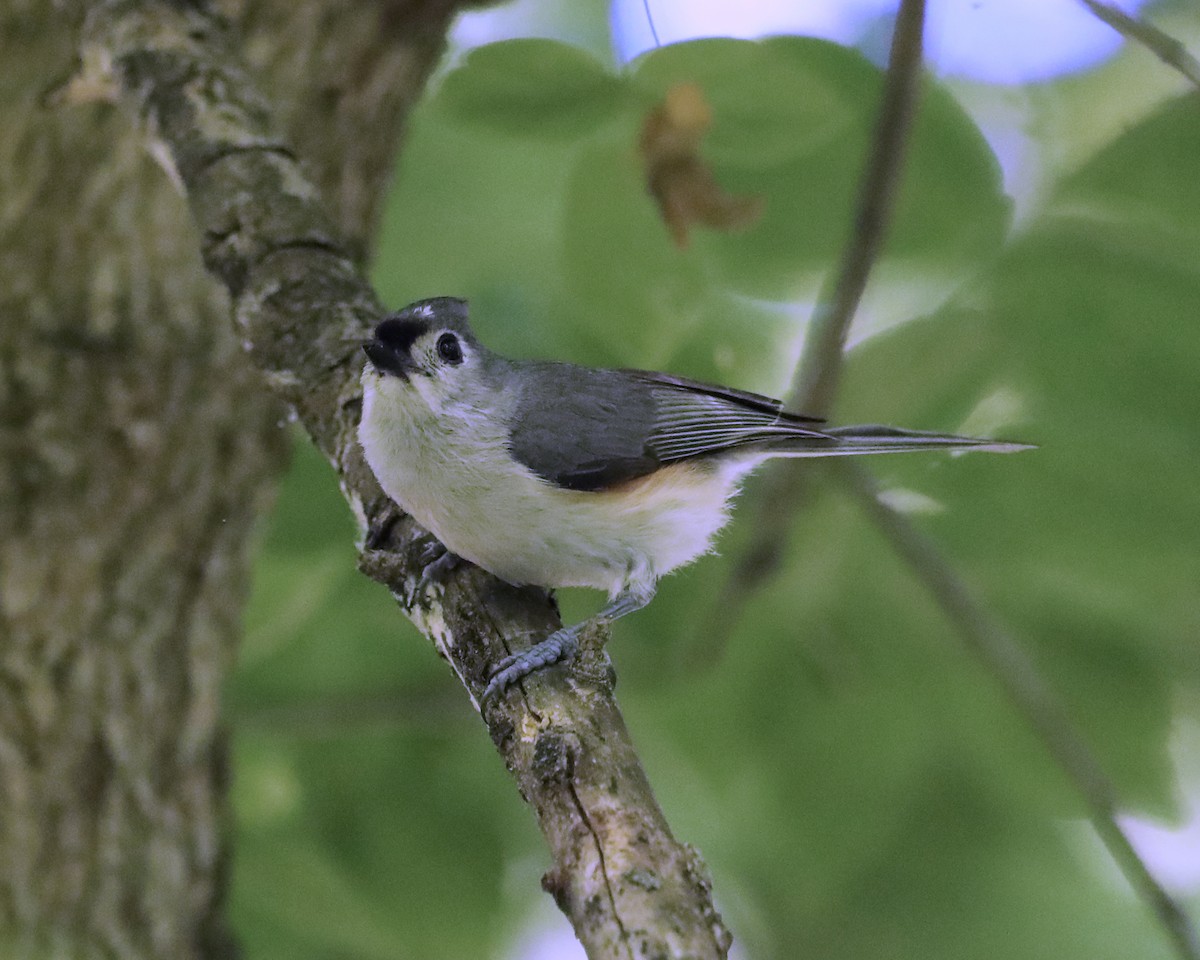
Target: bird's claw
[(560, 647), (431, 550)]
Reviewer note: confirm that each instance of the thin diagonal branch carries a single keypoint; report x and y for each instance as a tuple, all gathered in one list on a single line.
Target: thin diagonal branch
[(1004, 660), (815, 383), (813, 391), (1169, 50), (302, 308), (817, 376)]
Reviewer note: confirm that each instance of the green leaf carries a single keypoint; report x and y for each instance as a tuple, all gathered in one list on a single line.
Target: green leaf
[(616, 254), (310, 515), (475, 214), (1139, 178), (792, 121), (1087, 328), (390, 843), (772, 102), (314, 624), (532, 89)]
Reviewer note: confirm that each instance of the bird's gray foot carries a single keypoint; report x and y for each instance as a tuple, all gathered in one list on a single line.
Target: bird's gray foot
[(560, 647)]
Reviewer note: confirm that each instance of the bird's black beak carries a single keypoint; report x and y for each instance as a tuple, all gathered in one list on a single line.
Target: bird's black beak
[(389, 360)]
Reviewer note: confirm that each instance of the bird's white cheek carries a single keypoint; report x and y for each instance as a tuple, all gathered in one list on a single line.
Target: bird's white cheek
[(431, 391)]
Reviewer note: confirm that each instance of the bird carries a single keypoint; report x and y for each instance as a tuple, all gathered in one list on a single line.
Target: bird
[(559, 475)]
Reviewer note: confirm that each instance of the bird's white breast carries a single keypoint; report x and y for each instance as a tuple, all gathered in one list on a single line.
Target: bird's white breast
[(452, 470)]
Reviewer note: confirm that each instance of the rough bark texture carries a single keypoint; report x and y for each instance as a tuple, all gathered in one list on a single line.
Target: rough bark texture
[(291, 268), (137, 448)]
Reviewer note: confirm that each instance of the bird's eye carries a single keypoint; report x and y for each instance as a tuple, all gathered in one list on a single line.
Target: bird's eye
[(449, 349)]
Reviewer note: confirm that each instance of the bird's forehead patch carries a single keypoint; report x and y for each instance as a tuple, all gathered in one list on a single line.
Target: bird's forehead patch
[(409, 324), (400, 334)]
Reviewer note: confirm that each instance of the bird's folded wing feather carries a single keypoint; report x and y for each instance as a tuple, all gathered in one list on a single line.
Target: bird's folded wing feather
[(587, 429)]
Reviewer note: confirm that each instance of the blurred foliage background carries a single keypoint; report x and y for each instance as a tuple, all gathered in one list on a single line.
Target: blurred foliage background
[(857, 783)]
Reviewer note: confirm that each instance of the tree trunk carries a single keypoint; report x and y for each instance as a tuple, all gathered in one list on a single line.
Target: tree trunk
[(139, 450)]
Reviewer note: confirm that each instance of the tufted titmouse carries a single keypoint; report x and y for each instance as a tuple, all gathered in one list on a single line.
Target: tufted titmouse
[(566, 476)]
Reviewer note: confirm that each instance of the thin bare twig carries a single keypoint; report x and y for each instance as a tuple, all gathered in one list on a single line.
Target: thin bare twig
[(1017, 674), (815, 383), (1169, 50), (813, 391), (820, 366)]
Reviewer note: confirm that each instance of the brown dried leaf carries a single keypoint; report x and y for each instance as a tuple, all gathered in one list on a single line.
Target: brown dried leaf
[(677, 177)]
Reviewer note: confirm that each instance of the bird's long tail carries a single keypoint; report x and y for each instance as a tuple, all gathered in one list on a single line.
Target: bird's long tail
[(872, 438)]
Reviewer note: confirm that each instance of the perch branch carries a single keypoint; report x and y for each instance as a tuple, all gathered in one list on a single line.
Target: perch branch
[(302, 308)]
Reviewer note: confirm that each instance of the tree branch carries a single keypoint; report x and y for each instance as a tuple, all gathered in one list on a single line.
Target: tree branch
[(1169, 50), (302, 308), (813, 391), (785, 492), (817, 376)]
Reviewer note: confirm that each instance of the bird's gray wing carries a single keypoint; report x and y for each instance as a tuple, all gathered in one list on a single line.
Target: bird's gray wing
[(582, 428), (694, 419), (588, 429)]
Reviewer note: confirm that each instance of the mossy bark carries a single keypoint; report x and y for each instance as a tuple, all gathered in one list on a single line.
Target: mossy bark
[(140, 448)]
